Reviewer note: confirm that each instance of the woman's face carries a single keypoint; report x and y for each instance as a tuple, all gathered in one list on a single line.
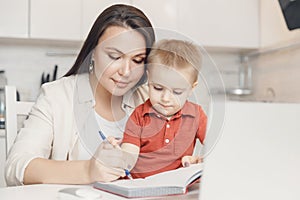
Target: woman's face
[(119, 59)]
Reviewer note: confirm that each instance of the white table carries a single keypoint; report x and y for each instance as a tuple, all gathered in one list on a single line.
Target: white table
[(50, 192)]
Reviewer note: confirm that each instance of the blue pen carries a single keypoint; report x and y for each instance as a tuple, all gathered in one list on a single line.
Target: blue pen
[(127, 173)]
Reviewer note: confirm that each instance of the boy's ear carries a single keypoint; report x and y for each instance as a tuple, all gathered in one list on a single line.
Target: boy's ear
[(193, 87)]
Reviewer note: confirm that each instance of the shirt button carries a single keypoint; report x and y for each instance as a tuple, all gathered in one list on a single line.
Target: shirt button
[(167, 141), (168, 125)]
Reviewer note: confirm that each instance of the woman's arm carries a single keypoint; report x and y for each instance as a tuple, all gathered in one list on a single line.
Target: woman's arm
[(41, 170)]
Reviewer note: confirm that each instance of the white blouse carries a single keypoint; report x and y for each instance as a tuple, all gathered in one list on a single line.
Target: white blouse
[(62, 117), (109, 128)]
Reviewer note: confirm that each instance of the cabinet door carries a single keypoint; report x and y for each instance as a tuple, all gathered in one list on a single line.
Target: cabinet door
[(219, 23), (91, 9), (14, 18), (162, 14), (55, 19)]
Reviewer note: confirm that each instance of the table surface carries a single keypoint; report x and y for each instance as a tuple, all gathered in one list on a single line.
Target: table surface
[(51, 191)]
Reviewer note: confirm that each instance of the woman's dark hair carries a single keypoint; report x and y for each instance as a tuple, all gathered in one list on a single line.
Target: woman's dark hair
[(116, 15)]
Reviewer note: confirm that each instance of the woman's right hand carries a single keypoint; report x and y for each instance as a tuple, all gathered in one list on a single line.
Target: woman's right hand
[(102, 173), (107, 164)]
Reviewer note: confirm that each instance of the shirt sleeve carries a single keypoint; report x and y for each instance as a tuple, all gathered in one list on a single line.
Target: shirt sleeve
[(133, 128), (201, 132)]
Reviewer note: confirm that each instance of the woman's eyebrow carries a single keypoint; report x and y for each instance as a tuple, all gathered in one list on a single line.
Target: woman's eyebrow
[(114, 49), (154, 83), (141, 54), (119, 51)]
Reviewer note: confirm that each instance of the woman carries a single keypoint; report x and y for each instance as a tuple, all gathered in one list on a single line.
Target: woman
[(60, 136)]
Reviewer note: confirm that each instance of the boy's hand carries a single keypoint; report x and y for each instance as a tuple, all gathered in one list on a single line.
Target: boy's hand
[(186, 161)]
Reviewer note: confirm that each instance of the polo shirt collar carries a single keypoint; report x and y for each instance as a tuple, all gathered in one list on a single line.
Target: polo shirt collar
[(188, 109)]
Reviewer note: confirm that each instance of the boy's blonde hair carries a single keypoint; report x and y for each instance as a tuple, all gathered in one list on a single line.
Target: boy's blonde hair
[(178, 54)]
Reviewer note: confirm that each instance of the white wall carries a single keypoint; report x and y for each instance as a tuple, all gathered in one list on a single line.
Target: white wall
[(25, 63), (276, 76)]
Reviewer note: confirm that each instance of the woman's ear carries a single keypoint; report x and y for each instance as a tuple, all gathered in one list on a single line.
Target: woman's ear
[(147, 73), (194, 84)]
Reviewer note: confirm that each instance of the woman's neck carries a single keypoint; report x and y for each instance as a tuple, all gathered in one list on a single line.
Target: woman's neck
[(107, 105)]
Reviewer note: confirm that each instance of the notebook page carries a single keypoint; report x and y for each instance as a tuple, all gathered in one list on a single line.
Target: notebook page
[(179, 177)]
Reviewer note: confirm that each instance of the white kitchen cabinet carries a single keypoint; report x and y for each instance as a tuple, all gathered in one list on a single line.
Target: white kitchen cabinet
[(162, 14), (91, 9), (14, 18), (213, 23), (55, 19), (219, 23)]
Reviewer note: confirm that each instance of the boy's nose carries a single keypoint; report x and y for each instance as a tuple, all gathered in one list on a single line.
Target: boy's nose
[(166, 95)]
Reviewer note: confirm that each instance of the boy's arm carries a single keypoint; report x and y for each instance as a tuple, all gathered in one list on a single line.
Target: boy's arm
[(132, 151), (201, 133)]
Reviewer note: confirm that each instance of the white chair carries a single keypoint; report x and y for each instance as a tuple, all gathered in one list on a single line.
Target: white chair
[(13, 110)]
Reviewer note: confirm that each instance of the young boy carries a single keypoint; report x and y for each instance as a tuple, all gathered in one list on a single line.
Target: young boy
[(163, 130)]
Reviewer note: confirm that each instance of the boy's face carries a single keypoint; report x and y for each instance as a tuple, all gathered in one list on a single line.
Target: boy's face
[(169, 88)]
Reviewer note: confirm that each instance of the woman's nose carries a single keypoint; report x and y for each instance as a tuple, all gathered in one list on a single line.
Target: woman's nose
[(124, 70)]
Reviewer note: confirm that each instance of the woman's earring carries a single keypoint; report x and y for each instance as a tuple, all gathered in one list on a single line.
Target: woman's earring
[(91, 66)]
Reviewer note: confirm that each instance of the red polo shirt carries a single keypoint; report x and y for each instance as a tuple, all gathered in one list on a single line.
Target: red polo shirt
[(163, 142)]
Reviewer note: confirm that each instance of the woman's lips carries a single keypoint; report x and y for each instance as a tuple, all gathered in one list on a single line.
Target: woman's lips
[(121, 84)]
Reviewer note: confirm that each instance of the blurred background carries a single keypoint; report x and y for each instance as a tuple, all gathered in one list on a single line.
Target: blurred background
[(249, 41), (254, 43)]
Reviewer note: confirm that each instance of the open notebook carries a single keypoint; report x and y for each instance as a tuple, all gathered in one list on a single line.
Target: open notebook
[(166, 183)]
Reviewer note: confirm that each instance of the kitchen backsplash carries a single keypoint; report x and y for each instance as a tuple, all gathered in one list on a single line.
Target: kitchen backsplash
[(24, 65), (276, 76)]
